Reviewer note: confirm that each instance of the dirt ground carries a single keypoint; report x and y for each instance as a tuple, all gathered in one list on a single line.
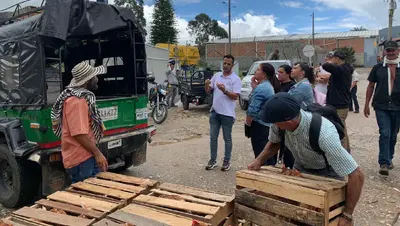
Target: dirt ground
[(180, 151)]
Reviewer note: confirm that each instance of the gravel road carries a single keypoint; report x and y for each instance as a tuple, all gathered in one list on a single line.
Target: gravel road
[(180, 150)]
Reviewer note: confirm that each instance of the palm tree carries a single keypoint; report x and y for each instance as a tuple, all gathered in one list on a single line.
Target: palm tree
[(359, 29)]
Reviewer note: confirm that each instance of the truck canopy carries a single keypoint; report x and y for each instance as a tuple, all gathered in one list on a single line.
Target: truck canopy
[(64, 27)]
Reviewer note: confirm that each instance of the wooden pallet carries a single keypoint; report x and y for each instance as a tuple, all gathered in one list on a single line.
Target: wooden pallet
[(267, 197), (70, 209), (192, 203), (17, 221), (113, 187)]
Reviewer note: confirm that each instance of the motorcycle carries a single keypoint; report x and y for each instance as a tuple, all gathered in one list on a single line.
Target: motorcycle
[(157, 99)]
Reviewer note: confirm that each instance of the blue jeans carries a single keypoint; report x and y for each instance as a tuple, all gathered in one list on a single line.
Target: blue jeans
[(84, 170), (216, 122), (388, 122)]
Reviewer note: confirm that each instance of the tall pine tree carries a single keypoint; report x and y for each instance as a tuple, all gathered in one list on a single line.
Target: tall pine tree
[(137, 7), (163, 26)]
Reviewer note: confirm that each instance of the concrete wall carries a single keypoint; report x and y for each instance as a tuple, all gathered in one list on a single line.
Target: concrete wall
[(157, 61)]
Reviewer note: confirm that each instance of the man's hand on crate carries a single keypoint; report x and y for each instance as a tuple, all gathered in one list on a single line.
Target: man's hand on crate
[(255, 165)]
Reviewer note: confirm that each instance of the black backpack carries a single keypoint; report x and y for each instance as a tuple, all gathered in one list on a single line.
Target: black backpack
[(318, 111)]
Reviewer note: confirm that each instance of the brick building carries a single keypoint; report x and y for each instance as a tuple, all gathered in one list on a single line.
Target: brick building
[(248, 50)]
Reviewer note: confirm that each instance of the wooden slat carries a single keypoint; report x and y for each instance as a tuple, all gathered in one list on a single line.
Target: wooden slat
[(188, 198), (175, 204), (103, 190), (337, 196), (12, 222), (106, 222), (154, 215), (80, 200), (196, 192), (285, 190), (336, 212), (51, 217), (277, 207), (308, 176), (135, 219), (127, 179), (93, 195), (335, 222), (26, 221), (70, 208), (308, 183), (115, 185), (258, 217)]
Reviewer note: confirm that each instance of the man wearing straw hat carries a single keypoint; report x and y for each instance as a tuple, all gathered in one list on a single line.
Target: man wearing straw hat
[(76, 120)]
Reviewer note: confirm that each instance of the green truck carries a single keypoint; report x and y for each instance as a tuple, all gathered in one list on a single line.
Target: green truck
[(37, 54)]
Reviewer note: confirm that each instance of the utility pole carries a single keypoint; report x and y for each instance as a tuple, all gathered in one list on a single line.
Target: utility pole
[(313, 38), (392, 7), (230, 28)]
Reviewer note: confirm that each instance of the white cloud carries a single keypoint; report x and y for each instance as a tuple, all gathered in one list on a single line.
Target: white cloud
[(254, 25), (371, 14), (317, 19), (292, 4)]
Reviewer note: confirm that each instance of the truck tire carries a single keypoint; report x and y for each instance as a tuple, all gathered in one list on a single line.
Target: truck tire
[(185, 102), (244, 105), (19, 180)]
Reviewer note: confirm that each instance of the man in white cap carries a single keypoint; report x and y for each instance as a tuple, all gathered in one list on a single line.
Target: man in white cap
[(172, 77), (76, 120)]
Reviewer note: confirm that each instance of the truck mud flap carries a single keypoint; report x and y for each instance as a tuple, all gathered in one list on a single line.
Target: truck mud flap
[(54, 178), (139, 156)]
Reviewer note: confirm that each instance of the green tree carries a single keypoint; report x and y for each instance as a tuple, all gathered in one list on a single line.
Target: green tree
[(137, 7), (203, 27), (163, 26), (350, 54), (359, 29)]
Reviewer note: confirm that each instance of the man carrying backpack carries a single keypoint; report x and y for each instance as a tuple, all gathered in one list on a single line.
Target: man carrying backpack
[(315, 144)]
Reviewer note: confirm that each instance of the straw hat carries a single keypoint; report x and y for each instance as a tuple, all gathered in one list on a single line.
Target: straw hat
[(83, 72)]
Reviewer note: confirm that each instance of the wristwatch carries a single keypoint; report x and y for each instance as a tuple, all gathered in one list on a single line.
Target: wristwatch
[(347, 216)]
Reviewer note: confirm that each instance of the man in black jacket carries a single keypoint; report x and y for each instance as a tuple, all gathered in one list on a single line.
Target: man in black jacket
[(384, 87), (338, 94)]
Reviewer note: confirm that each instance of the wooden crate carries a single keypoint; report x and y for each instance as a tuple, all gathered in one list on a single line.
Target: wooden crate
[(17, 221), (267, 197), (113, 187), (140, 215), (192, 203)]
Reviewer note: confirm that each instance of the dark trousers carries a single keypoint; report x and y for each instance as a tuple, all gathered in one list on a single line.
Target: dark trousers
[(259, 139), (84, 170), (389, 123), (286, 155), (353, 98)]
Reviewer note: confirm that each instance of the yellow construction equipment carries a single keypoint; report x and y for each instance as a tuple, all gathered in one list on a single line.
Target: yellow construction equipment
[(185, 54)]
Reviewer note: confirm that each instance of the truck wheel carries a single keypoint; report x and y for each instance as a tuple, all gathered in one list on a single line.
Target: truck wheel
[(185, 102), (19, 180), (244, 105)]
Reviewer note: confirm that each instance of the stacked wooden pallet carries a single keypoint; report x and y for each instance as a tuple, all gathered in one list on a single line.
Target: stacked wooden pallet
[(172, 204), (267, 197), (84, 203)]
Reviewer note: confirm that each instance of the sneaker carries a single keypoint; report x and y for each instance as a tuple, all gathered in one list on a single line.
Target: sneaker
[(391, 166), (211, 165), (226, 166), (357, 111), (384, 170)]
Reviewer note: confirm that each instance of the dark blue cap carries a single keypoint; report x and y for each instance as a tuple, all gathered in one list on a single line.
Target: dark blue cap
[(281, 107)]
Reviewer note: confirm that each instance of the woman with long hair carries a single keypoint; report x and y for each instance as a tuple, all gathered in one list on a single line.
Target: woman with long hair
[(265, 84), (303, 74)]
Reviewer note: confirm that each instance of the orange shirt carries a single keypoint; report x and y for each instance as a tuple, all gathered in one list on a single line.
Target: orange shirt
[(76, 121)]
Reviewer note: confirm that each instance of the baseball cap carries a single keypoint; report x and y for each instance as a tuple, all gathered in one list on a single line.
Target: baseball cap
[(171, 61), (281, 107), (339, 54), (391, 45)]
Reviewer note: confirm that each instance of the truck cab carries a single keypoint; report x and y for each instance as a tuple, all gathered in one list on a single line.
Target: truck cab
[(37, 55)]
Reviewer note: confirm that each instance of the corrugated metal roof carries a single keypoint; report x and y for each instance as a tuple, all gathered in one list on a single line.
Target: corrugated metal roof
[(292, 37)]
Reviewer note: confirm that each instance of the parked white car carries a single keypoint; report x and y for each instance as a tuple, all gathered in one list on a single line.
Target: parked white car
[(246, 81)]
